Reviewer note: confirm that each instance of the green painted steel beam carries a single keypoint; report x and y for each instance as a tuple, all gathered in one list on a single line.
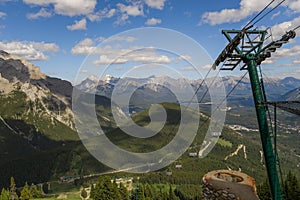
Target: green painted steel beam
[(270, 158)]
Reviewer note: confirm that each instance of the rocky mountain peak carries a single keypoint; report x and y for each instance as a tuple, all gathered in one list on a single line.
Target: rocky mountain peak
[(15, 68)]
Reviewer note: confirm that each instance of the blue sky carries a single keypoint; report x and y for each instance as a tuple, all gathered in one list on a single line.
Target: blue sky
[(57, 35)]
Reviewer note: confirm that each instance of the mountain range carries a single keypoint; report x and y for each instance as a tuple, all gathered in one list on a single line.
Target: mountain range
[(276, 89), (39, 142)]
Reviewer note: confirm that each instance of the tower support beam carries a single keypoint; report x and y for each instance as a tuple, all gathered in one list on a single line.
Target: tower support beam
[(263, 128)]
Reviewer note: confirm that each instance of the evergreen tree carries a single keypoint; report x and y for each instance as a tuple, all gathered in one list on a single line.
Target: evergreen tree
[(140, 192), (13, 189), (83, 193), (263, 191), (35, 192), (4, 195), (171, 194), (25, 193), (92, 193), (292, 188), (123, 192), (105, 190), (149, 192), (115, 190)]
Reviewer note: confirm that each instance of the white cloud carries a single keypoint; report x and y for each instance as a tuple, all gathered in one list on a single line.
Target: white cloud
[(84, 47), (289, 56), (118, 55), (208, 66), (105, 60), (245, 9), (87, 46), (2, 14), (189, 68), (134, 10), (122, 20), (287, 52), (150, 59), (41, 13), (39, 2), (194, 68), (275, 15), (294, 5), (102, 14), (131, 10), (31, 51), (296, 61), (78, 25), (279, 29), (68, 8), (184, 57), (153, 21), (158, 4), (120, 38)]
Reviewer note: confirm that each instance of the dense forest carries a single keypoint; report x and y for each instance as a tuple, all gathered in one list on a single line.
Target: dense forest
[(109, 189)]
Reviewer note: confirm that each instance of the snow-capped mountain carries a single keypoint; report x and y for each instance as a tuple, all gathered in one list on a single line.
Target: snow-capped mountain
[(163, 86)]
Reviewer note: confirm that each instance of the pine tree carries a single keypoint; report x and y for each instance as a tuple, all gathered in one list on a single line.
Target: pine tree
[(105, 190), (115, 190), (35, 192), (123, 192), (171, 194), (149, 191), (92, 193), (263, 191), (292, 188), (25, 193), (83, 193), (13, 189), (4, 195), (140, 192)]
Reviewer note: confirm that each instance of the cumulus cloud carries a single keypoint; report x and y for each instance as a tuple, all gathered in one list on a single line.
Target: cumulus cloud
[(32, 51), (158, 4), (189, 68), (68, 8), (131, 10), (153, 21), (287, 52), (288, 56), (120, 38), (105, 60), (78, 25), (102, 14), (41, 13), (279, 29), (88, 46), (125, 11), (294, 5), (118, 55), (193, 68), (245, 9), (2, 14), (184, 57)]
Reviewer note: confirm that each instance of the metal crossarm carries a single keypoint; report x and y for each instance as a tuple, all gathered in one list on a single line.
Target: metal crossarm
[(247, 46)]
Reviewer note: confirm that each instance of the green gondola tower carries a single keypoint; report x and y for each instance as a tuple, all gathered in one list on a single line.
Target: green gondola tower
[(246, 49)]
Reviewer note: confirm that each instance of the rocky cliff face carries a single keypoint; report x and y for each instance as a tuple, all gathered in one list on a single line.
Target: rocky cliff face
[(42, 97)]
